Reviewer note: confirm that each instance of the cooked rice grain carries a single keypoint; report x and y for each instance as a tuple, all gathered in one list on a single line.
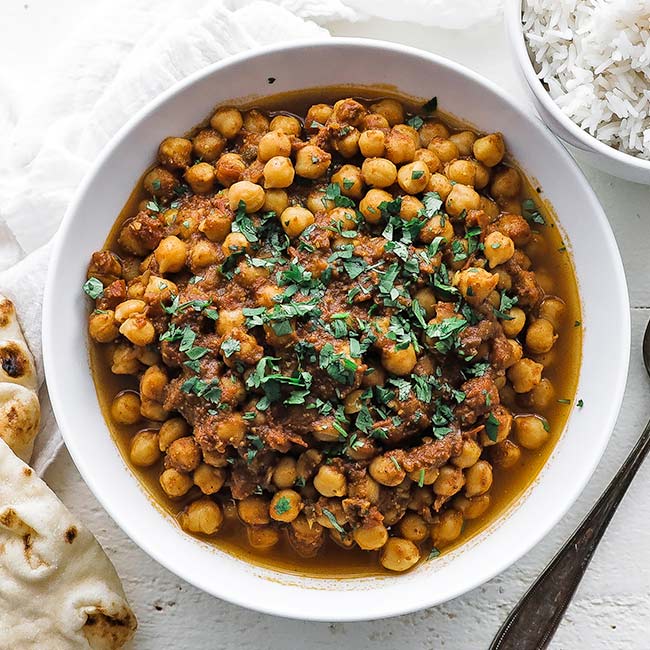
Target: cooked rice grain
[(594, 57)]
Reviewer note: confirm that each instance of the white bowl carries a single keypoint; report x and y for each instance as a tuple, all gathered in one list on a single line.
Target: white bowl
[(595, 152), (301, 65)]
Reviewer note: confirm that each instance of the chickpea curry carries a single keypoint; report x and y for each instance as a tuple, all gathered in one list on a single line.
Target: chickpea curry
[(339, 339)]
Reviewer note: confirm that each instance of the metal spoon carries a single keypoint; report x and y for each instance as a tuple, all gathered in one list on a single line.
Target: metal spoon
[(534, 620)]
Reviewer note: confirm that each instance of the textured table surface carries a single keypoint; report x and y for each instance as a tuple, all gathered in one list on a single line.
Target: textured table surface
[(612, 606)]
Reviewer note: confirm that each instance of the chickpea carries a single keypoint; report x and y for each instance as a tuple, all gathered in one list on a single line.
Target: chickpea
[(201, 177), (208, 145), (378, 172), (202, 516), (449, 481), (153, 383), (399, 362), (540, 336), (267, 293), (228, 121), (499, 248), (552, 309), (184, 454), (345, 218), (276, 200), (374, 377), (138, 329), (505, 455), (478, 479), (350, 180), (488, 206), (254, 510), (504, 424), (414, 177), (506, 184), (513, 326), (476, 284), (410, 208), (353, 402), (175, 153), (430, 130), (262, 537), (438, 226), (369, 206), (232, 429), (448, 528), (284, 473), (160, 182), (235, 242), (124, 360), (102, 326), (531, 431), (272, 144), (285, 505), (543, 394), (462, 171), (312, 162), (525, 375), (390, 109), (175, 483), (229, 169), (425, 477), (385, 471), (399, 147), (159, 290), (372, 143), (251, 194), (330, 482), (472, 508), (125, 408), (464, 141), (399, 554), (536, 247), (445, 150), (469, 454), (348, 145), (255, 121), (375, 121), (441, 185), (209, 479), (287, 124), (295, 219), (278, 172), (170, 254), (413, 527), (318, 113), (490, 149), (172, 430), (144, 450), (428, 158), (481, 177), (370, 537), (461, 198), (229, 319)]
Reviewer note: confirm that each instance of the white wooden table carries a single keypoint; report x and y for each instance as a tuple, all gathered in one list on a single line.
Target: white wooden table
[(612, 607)]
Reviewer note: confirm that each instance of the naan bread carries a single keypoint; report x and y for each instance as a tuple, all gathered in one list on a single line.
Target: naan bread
[(58, 590), (19, 406)]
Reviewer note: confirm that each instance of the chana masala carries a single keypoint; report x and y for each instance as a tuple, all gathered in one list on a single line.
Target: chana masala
[(335, 337)]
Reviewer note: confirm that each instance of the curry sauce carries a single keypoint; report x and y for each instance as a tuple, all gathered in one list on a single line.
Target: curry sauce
[(550, 261)]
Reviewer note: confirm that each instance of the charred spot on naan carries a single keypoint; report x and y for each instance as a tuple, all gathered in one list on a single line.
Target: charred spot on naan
[(13, 523), (70, 534), (113, 629), (7, 312), (14, 360)]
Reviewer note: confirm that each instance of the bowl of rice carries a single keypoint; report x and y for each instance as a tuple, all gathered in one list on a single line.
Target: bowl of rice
[(587, 66)]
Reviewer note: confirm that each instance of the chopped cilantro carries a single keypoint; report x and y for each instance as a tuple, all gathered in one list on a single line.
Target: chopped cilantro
[(230, 346), (94, 288), (282, 506)]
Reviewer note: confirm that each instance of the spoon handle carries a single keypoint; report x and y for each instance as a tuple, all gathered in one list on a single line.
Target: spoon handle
[(534, 620)]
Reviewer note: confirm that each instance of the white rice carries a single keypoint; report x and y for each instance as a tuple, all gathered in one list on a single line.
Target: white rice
[(594, 57)]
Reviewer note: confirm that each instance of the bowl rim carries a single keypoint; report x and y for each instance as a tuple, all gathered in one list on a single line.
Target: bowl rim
[(387, 608), (514, 25)]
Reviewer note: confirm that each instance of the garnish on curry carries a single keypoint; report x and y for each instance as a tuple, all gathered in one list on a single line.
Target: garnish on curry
[(350, 331)]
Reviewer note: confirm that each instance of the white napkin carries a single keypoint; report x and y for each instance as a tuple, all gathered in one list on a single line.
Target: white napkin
[(110, 67)]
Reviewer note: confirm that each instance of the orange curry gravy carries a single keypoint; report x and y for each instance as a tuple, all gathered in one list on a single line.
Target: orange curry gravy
[(561, 368)]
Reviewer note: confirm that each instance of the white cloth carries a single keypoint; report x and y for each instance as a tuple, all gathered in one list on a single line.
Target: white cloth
[(111, 65)]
